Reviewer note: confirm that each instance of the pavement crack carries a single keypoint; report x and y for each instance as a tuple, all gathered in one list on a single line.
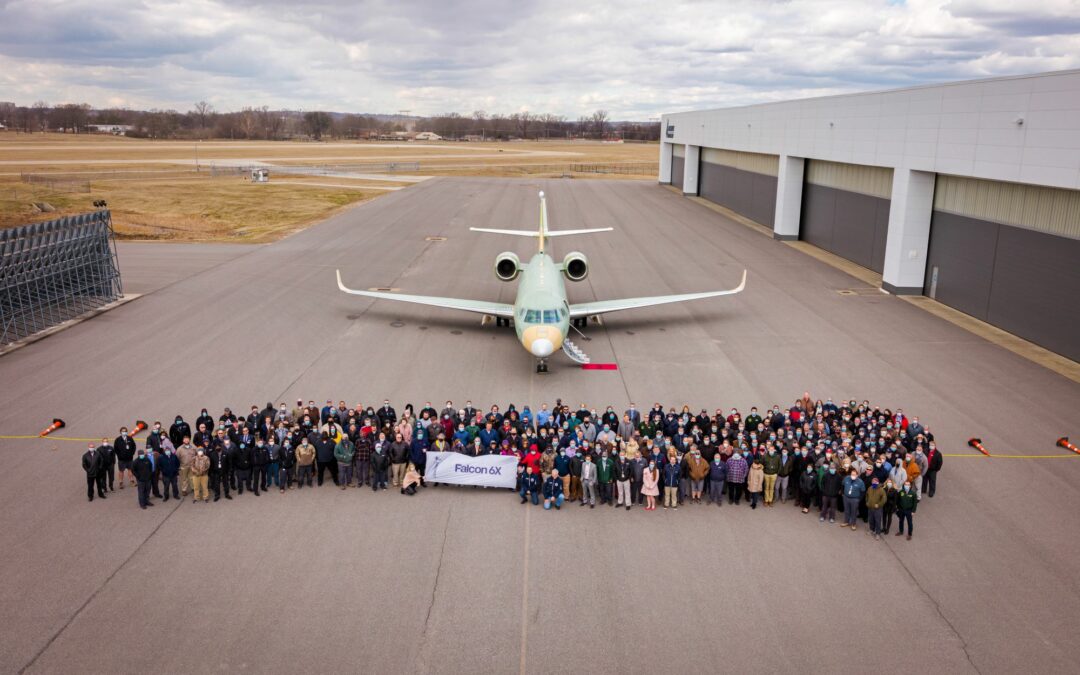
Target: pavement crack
[(434, 588), (937, 608), (97, 591)]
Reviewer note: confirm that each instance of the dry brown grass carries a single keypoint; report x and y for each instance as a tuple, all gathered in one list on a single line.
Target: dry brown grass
[(182, 205)]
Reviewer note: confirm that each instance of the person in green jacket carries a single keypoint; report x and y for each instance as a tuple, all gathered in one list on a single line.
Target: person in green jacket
[(604, 469), (344, 452), (875, 504), (906, 503)]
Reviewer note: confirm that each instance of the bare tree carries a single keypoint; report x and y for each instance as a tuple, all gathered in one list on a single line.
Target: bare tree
[(599, 121), (203, 113), (40, 115), (317, 123)]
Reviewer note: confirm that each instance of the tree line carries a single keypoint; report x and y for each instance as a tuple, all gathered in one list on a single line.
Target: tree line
[(204, 122)]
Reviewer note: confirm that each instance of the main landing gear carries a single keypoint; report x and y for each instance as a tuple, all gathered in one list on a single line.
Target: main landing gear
[(502, 322), (541, 366)]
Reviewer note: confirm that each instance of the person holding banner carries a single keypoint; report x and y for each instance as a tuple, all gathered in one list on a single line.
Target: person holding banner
[(553, 491)]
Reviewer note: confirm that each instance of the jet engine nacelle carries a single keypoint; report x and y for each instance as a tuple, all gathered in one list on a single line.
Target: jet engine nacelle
[(575, 266), (507, 266)]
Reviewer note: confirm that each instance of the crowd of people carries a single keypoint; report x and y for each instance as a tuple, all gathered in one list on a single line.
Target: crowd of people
[(860, 460)]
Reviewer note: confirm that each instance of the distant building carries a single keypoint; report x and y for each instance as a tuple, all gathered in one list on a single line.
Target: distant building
[(114, 129), (428, 136)]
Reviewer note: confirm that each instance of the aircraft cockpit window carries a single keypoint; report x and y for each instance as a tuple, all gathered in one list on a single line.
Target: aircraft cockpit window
[(532, 316), (551, 316)]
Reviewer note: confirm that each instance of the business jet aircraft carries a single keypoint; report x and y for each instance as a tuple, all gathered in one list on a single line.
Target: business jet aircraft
[(541, 315)]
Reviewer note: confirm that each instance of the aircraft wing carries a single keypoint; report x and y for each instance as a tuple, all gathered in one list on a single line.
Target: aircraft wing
[(478, 306), (606, 306)]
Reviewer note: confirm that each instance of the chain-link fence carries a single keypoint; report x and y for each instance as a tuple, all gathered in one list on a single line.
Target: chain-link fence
[(54, 271)]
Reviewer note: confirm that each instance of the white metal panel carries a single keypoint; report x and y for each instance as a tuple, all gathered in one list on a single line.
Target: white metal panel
[(755, 162), (1036, 207), (868, 180)]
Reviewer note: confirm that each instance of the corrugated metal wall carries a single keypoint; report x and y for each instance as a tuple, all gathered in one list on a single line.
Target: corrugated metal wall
[(744, 182), (875, 181), (846, 210), (678, 150), (768, 165), (1043, 209)]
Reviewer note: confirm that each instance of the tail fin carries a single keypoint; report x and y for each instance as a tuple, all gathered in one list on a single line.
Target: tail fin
[(542, 233)]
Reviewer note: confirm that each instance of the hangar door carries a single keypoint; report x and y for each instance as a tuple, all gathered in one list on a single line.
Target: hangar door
[(1009, 254), (744, 182), (678, 165), (845, 210)]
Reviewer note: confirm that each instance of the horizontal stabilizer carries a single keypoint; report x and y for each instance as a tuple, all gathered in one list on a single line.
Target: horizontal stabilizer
[(536, 233)]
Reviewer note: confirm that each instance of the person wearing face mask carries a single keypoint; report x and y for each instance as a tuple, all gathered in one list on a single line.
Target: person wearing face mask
[(770, 465), (170, 472), (305, 459), (737, 470), (186, 454), (906, 503), (638, 464), (854, 489), (698, 470), (108, 465), (933, 465), (717, 477), (623, 473), (143, 471), (875, 505), (755, 481), (220, 470), (887, 512), (650, 485), (200, 468), (178, 431), (588, 481), (91, 464), (830, 486), (605, 471), (124, 446), (783, 475)]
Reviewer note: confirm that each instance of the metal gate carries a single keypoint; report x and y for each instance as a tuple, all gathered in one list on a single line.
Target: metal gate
[(54, 271)]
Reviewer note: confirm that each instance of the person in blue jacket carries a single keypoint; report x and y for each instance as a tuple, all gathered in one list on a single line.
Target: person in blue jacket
[(530, 487), (853, 491), (553, 491), (170, 470)]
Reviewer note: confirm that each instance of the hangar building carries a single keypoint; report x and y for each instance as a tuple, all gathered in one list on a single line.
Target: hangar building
[(967, 192)]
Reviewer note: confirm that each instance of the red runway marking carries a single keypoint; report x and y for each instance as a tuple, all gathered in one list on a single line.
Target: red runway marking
[(599, 366)]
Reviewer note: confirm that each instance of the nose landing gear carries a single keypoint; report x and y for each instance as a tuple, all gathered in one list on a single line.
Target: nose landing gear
[(541, 366)]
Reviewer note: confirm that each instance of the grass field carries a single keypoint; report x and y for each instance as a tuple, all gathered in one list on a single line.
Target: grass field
[(154, 191)]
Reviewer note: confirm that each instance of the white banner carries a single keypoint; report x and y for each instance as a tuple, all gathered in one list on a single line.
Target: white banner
[(458, 469)]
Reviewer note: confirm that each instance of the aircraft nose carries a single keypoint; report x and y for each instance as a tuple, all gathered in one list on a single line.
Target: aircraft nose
[(541, 347)]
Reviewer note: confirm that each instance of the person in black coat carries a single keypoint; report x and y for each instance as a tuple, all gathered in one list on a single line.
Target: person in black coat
[(220, 470), (179, 431), (286, 461), (260, 458), (170, 471), (204, 420), (386, 414), (91, 464), (124, 446), (143, 470), (324, 457), (108, 464), (240, 458)]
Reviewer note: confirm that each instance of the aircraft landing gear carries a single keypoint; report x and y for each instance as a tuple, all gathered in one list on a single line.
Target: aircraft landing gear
[(580, 322), (541, 366), (502, 321)]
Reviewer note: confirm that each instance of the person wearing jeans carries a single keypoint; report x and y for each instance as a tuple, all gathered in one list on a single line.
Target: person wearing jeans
[(553, 491), (853, 491)]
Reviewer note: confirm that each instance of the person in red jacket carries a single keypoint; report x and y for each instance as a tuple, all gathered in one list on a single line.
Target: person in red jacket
[(532, 459)]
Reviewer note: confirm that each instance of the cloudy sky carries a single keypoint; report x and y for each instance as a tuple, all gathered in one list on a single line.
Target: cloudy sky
[(635, 59)]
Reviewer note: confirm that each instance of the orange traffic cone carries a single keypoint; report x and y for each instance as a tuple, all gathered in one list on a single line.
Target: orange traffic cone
[(977, 444), (139, 426), (1063, 442), (57, 423)]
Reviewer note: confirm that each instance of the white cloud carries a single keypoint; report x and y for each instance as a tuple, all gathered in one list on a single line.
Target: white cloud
[(634, 58)]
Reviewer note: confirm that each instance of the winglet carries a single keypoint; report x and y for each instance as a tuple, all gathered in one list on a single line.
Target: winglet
[(742, 284), (340, 285)]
